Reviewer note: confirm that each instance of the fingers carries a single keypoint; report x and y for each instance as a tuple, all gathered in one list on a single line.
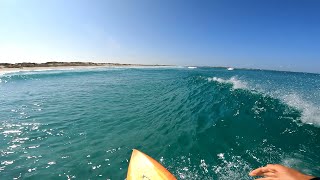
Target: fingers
[(269, 174), (267, 178), (259, 171), (273, 167), (264, 171)]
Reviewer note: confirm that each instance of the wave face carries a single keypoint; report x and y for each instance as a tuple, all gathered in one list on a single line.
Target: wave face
[(203, 123)]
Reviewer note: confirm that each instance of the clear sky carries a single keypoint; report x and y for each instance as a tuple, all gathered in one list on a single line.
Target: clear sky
[(272, 34)]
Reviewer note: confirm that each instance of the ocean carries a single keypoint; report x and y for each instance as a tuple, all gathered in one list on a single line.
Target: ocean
[(200, 123)]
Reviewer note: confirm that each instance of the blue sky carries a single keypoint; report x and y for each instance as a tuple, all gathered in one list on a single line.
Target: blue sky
[(271, 34)]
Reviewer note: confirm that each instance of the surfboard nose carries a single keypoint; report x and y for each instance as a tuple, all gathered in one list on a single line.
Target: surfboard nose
[(142, 167)]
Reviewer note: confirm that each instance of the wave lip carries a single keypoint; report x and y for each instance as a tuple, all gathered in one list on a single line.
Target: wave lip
[(236, 83), (310, 113)]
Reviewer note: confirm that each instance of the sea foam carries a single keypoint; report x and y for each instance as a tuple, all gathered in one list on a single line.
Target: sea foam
[(310, 112), (236, 83)]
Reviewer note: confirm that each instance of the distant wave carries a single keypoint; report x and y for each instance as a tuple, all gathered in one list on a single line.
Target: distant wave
[(192, 67), (48, 70), (310, 113), (80, 69), (39, 73)]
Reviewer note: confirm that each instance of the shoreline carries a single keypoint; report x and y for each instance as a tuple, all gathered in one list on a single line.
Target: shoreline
[(22, 67), (26, 69), (12, 70)]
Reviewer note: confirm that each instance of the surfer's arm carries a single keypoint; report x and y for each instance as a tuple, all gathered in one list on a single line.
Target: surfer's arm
[(279, 172)]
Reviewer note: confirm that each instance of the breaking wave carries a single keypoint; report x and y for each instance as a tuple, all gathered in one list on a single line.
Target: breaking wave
[(236, 83), (310, 112)]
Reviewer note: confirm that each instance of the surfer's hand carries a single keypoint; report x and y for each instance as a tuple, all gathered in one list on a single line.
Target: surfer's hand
[(279, 172)]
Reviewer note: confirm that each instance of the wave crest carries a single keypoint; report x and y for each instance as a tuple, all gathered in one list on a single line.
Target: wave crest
[(310, 112), (236, 83)]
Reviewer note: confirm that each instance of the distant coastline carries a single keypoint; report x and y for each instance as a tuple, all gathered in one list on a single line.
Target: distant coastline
[(28, 66), (62, 64)]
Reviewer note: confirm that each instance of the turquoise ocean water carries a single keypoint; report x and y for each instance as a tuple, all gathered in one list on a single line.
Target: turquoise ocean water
[(204, 123)]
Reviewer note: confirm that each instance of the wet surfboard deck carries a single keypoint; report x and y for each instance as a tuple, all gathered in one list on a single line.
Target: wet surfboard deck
[(143, 167)]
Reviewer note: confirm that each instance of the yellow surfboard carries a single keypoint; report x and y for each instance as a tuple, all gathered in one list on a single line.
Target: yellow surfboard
[(143, 167)]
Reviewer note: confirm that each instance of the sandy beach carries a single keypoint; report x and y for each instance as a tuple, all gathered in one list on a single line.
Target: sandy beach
[(4, 70)]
